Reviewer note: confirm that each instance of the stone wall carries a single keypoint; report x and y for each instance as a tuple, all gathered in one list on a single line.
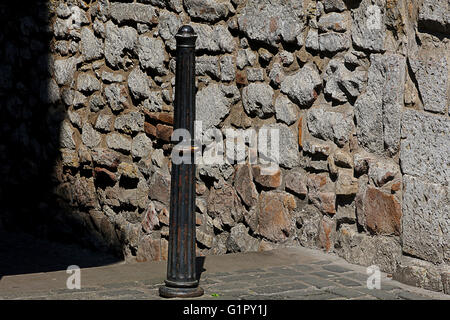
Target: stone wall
[(359, 90)]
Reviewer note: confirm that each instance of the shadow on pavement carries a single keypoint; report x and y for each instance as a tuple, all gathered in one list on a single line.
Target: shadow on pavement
[(22, 253)]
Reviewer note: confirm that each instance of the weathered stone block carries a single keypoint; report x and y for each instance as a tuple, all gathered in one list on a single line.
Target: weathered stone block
[(90, 137), (432, 76), (141, 146), (337, 22), (149, 249), (368, 28), (138, 83), (213, 104), (207, 65), (116, 41), (419, 273), (425, 146), (341, 83), (209, 10), (274, 215), (243, 182), (286, 146), (346, 184), (130, 122), (214, 39), (151, 54), (266, 177), (271, 22), (160, 187), (378, 212), (106, 158), (303, 87), (378, 110), (87, 83), (330, 125), (327, 231), (382, 171), (257, 99), (285, 110), (426, 219), (240, 241), (66, 136), (224, 204), (116, 96), (334, 42), (295, 182), (359, 248), (91, 46), (434, 15), (118, 142), (135, 12)]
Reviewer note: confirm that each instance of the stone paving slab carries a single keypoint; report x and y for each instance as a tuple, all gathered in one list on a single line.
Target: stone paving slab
[(281, 274)]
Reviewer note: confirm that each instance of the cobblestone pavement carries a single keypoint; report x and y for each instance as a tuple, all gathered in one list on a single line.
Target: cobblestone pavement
[(290, 273)]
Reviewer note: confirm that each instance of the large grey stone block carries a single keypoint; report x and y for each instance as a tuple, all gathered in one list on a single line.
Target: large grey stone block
[(432, 78), (378, 110), (425, 146), (434, 15), (426, 220)]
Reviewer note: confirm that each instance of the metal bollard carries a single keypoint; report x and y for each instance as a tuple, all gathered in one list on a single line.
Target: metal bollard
[(181, 269)]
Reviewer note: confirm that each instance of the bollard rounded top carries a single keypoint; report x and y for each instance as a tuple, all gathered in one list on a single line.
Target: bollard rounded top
[(186, 30), (186, 36)]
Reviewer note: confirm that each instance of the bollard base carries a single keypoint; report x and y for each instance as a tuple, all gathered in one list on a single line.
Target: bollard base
[(171, 292)]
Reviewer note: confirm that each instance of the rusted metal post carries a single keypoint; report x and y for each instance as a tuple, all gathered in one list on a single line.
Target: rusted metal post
[(181, 269)]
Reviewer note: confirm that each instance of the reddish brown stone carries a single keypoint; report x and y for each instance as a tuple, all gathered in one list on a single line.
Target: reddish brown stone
[(164, 249), (396, 186), (243, 182), (382, 212), (263, 178), (102, 172), (274, 215), (166, 118), (224, 204), (160, 116), (163, 216), (106, 158), (327, 202), (160, 187), (149, 250), (164, 132), (150, 219), (327, 227), (241, 77), (320, 194), (295, 182), (150, 129), (316, 181), (346, 184), (198, 219)]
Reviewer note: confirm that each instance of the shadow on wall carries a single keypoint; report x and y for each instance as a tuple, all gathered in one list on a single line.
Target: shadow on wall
[(30, 123)]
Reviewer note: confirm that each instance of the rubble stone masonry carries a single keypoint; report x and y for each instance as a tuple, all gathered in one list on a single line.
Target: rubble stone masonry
[(358, 88)]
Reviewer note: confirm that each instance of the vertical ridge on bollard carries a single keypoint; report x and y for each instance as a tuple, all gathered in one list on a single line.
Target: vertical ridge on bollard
[(181, 270)]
